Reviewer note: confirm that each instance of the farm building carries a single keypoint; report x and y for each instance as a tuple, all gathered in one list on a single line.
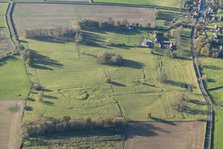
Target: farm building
[(170, 46), (148, 43)]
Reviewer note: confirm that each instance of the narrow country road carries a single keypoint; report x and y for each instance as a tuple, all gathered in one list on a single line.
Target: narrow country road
[(209, 126)]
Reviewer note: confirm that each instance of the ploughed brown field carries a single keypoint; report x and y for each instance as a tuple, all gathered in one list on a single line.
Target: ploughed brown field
[(165, 135), (41, 16), (10, 122)]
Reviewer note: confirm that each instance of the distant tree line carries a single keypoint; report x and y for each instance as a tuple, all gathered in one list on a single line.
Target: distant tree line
[(54, 32), (109, 24), (51, 125)]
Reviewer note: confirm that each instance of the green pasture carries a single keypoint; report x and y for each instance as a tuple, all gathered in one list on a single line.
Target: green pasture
[(14, 83), (213, 68), (74, 84), (218, 128)]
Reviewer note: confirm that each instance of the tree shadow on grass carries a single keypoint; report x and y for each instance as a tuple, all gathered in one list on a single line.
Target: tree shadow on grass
[(52, 39), (45, 90), (211, 80), (31, 99), (156, 119), (94, 40), (4, 61), (215, 88), (117, 84), (123, 46), (158, 54), (43, 62), (132, 64), (48, 103), (28, 108), (147, 84), (192, 111), (175, 83), (91, 55), (197, 102), (143, 129), (50, 97)]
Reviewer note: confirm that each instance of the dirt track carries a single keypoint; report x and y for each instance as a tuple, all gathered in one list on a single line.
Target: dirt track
[(10, 122), (165, 135)]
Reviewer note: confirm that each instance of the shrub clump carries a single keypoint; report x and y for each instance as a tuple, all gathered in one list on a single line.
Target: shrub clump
[(107, 58)]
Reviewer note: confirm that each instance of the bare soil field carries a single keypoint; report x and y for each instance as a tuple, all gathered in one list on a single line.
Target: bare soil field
[(165, 135), (36, 16), (6, 45), (10, 120)]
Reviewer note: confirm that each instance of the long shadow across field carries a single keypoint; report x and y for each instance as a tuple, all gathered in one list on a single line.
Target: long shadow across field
[(215, 88), (4, 61), (132, 64), (91, 39), (192, 111), (117, 84), (43, 62), (52, 39), (143, 129), (163, 121), (197, 102), (175, 83)]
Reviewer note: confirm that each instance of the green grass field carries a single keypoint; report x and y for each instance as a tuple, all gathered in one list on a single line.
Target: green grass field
[(69, 76), (213, 69), (14, 83), (3, 7), (218, 128)]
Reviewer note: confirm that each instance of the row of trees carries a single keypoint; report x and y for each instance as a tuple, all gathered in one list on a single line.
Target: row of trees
[(54, 32), (26, 55), (110, 23), (51, 125)]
